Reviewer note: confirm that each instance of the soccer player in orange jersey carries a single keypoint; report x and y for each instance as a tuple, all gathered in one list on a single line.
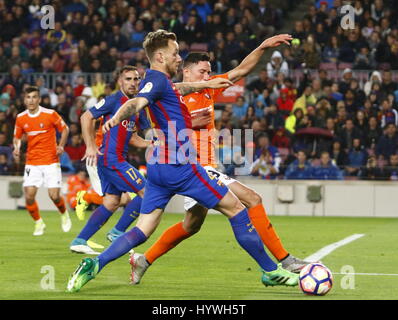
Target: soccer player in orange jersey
[(201, 106), (77, 183), (42, 166)]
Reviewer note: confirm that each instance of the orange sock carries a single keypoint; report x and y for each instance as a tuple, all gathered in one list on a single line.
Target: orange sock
[(61, 205), (266, 231), (168, 240), (92, 197), (33, 210)]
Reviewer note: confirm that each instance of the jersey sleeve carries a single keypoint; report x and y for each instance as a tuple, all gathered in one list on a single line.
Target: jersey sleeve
[(103, 107), (217, 92), (153, 87), (59, 124), (18, 130)]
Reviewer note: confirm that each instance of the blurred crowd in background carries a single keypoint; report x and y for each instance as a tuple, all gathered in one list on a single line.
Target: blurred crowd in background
[(323, 108)]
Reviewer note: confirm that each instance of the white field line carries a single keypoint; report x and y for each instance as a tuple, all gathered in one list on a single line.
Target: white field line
[(331, 247), (368, 274), (317, 256)]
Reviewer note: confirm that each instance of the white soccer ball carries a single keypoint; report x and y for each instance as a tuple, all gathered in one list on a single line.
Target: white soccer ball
[(316, 279)]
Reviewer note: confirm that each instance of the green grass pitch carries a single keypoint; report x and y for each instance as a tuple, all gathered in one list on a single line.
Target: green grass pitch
[(210, 265)]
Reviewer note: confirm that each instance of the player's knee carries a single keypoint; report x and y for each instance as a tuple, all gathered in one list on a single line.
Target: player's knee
[(254, 198), (193, 228), (55, 196), (237, 205), (30, 200), (111, 203)]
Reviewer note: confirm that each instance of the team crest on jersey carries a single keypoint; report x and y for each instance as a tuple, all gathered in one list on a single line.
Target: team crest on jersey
[(129, 125), (147, 88), (26, 126), (100, 104)]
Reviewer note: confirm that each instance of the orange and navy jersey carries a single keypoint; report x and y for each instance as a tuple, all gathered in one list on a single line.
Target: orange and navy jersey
[(40, 130), (205, 141)]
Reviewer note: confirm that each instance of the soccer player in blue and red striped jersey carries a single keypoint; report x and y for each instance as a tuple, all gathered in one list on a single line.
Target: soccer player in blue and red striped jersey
[(116, 174), (177, 172)]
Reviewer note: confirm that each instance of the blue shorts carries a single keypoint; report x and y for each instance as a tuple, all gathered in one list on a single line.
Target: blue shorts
[(119, 177), (167, 180)]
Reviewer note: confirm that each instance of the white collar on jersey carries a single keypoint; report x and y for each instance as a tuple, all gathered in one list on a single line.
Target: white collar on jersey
[(36, 114)]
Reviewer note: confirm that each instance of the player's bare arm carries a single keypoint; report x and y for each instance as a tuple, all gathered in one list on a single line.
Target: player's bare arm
[(129, 108), (88, 131), (251, 60), (63, 140), (139, 142), (186, 88), (17, 147)]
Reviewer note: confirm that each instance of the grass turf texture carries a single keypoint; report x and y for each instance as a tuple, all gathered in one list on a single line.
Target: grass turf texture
[(209, 265)]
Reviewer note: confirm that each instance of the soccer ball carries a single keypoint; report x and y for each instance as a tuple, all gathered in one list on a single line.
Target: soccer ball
[(316, 279)]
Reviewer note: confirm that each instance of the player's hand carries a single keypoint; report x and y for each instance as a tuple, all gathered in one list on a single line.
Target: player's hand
[(60, 150), (201, 119), (91, 156), (217, 83), (276, 41), (112, 122), (16, 155)]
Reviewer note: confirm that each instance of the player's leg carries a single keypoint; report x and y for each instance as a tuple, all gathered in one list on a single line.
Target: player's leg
[(59, 202), (52, 177), (32, 180), (154, 202), (85, 198), (94, 223), (264, 227), (129, 179), (33, 209), (89, 268), (132, 206), (193, 221), (248, 238), (220, 198)]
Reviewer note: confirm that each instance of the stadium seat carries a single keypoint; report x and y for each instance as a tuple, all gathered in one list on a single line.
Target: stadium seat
[(15, 190), (328, 66), (285, 193), (344, 65), (314, 193)]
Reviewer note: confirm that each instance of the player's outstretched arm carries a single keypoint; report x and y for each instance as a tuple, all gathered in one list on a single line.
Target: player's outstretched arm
[(251, 60), (186, 88), (128, 108), (88, 132)]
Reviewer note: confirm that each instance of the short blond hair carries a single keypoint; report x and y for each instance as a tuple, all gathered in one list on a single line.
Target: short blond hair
[(157, 40)]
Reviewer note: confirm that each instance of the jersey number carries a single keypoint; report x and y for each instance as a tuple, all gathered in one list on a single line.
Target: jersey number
[(134, 176)]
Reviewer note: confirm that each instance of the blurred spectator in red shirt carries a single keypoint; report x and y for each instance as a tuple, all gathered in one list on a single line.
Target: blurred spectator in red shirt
[(280, 140), (285, 104)]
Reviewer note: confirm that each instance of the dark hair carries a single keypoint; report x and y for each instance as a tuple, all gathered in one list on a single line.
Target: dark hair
[(196, 57), (31, 89), (124, 69), (156, 40)]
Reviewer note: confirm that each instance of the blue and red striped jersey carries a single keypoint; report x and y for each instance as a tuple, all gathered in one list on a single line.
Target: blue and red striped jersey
[(115, 142), (170, 116)]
